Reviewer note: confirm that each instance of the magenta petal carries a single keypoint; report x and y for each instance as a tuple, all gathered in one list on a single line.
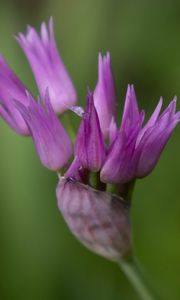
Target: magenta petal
[(104, 94), (12, 88), (52, 143), (113, 131), (76, 171), (131, 111), (89, 146), (151, 121), (98, 219), (47, 66), (155, 139), (120, 166)]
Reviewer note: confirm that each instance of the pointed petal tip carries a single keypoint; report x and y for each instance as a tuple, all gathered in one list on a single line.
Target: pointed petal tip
[(108, 55), (89, 145), (161, 100), (89, 91), (104, 59), (89, 97), (51, 26), (99, 55), (51, 20)]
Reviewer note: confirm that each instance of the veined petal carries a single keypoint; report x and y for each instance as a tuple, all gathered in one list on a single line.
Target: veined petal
[(151, 122), (104, 94), (131, 112), (89, 146), (52, 143), (48, 67), (113, 131), (120, 166), (154, 140), (99, 220), (12, 88)]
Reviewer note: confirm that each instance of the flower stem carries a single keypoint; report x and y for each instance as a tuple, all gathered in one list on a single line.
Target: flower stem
[(132, 273)]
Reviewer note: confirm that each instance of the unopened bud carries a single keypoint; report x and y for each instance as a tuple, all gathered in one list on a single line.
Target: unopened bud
[(99, 220)]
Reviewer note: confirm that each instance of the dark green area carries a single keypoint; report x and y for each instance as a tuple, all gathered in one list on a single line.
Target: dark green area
[(39, 258)]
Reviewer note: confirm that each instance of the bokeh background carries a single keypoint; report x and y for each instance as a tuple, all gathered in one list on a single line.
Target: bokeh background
[(39, 258)]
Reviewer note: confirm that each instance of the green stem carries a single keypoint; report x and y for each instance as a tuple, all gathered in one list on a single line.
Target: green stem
[(131, 272), (126, 190)]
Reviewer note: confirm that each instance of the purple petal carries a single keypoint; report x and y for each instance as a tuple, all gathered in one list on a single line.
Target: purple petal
[(151, 122), (47, 66), (52, 143), (113, 130), (98, 219), (120, 166), (131, 111), (11, 88), (77, 172), (89, 146), (104, 94), (154, 140)]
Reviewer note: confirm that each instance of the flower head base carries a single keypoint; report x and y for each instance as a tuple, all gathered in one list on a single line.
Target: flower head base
[(99, 220), (52, 143), (47, 66)]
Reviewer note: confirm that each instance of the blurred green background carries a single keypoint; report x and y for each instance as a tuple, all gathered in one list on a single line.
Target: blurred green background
[(39, 258)]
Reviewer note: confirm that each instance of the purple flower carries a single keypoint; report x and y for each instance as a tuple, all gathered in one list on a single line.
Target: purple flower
[(52, 143), (89, 146), (104, 94), (47, 66), (98, 219), (136, 149), (103, 153), (12, 88)]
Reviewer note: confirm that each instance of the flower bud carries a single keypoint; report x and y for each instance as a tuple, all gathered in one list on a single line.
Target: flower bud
[(89, 145), (99, 220)]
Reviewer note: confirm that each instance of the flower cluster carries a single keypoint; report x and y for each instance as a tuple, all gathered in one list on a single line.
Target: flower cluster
[(102, 151)]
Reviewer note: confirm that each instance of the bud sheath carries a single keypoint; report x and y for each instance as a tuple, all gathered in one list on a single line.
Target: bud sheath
[(99, 220)]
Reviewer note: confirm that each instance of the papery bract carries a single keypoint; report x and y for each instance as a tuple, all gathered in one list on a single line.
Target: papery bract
[(98, 219)]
